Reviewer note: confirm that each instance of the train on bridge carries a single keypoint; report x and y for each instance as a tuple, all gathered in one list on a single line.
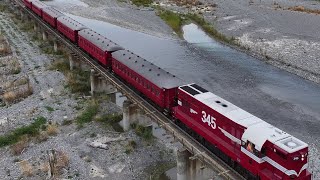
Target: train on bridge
[(254, 148)]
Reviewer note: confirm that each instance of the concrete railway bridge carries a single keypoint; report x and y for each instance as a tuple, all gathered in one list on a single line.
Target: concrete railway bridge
[(194, 161)]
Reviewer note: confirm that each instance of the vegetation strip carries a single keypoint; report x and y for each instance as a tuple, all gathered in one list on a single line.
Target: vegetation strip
[(31, 130), (176, 21), (142, 2)]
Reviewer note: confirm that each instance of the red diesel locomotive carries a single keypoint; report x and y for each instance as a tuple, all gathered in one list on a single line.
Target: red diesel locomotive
[(253, 147)]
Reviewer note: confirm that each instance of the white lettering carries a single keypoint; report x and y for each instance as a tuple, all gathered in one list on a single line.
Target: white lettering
[(209, 119)]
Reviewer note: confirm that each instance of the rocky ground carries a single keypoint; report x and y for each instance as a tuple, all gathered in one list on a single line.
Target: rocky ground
[(288, 39), (124, 156)]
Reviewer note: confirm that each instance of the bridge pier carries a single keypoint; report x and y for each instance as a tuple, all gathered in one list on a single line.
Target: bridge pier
[(93, 81), (182, 164), (105, 86), (113, 97), (35, 26), (21, 14), (55, 46), (44, 35), (126, 115), (98, 83), (190, 168), (71, 62)]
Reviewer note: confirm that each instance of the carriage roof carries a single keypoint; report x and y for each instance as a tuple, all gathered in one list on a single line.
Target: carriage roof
[(148, 70)]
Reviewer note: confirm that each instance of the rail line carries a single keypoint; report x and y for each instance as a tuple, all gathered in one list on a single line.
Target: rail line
[(198, 150)]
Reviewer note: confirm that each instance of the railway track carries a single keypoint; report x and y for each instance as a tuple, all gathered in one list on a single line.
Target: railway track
[(193, 146)]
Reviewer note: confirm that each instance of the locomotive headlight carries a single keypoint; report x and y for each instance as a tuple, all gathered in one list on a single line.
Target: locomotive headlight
[(302, 155), (302, 159)]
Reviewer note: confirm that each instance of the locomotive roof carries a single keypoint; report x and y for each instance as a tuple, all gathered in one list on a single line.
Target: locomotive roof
[(38, 4), (71, 23), (148, 70), (53, 12), (100, 41), (257, 131)]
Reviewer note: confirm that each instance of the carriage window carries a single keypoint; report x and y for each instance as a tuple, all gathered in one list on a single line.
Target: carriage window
[(157, 93), (148, 86), (152, 89)]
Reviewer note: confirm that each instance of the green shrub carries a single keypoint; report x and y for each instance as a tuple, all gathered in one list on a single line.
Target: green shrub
[(30, 130), (144, 132), (88, 114)]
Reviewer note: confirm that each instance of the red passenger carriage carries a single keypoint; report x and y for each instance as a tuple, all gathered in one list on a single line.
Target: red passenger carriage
[(28, 3), (249, 142), (37, 7), (97, 46), (155, 83), (50, 15), (69, 27)]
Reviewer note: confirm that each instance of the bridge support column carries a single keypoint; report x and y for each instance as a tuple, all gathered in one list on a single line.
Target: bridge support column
[(44, 35), (35, 26), (105, 86), (71, 62), (182, 164), (55, 46), (113, 97), (93, 81), (21, 14), (126, 115)]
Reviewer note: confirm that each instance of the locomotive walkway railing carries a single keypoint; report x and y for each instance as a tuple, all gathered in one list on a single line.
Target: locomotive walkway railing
[(199, 151)]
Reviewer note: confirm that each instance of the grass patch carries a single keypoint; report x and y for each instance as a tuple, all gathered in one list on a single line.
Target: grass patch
[(174, 20), (60, 65), (112, 120), (3, 8), (17, 134), (144, 132), (142, 2), (50, 109), (88, 114), (77, 80), (27, 27), (158, 170), (130, 146)]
